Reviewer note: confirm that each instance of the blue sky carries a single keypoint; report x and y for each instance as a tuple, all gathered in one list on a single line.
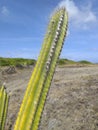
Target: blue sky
[(23, 24)]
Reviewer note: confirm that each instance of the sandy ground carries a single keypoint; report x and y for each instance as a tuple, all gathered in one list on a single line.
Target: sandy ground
[(72, 101)]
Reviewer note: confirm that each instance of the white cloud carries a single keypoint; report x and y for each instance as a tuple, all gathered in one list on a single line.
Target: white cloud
[(79, 16), (4, 11)]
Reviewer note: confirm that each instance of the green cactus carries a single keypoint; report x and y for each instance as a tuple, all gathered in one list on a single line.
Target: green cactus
[(3, 107), (34, 99)]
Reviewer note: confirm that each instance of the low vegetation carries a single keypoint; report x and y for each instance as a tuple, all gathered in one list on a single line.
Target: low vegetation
[(84, 62), (16, 61), (71, 62), (21, 61), (65, 61)]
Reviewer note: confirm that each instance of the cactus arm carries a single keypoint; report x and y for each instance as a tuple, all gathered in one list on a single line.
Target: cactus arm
[(33, 102), (35, 80), (32, 86), (3, 107), (2, 101), (35, 123), (5, 110)]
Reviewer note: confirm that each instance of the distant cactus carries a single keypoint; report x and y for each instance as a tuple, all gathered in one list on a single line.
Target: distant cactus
[(3, 106)]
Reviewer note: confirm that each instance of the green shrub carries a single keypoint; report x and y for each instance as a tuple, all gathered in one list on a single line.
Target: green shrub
[(16, 61), (85, 62)]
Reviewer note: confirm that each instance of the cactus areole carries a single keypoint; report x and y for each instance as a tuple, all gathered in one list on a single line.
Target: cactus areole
[(37, 89)]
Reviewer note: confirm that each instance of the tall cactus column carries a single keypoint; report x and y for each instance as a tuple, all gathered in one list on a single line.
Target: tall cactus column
[(34, 99)]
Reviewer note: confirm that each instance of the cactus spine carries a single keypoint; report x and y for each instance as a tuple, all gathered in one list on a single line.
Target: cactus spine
[(34, 99), (3, 107)]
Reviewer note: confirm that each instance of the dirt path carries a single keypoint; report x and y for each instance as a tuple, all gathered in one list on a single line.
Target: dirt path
[(72, 101)]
